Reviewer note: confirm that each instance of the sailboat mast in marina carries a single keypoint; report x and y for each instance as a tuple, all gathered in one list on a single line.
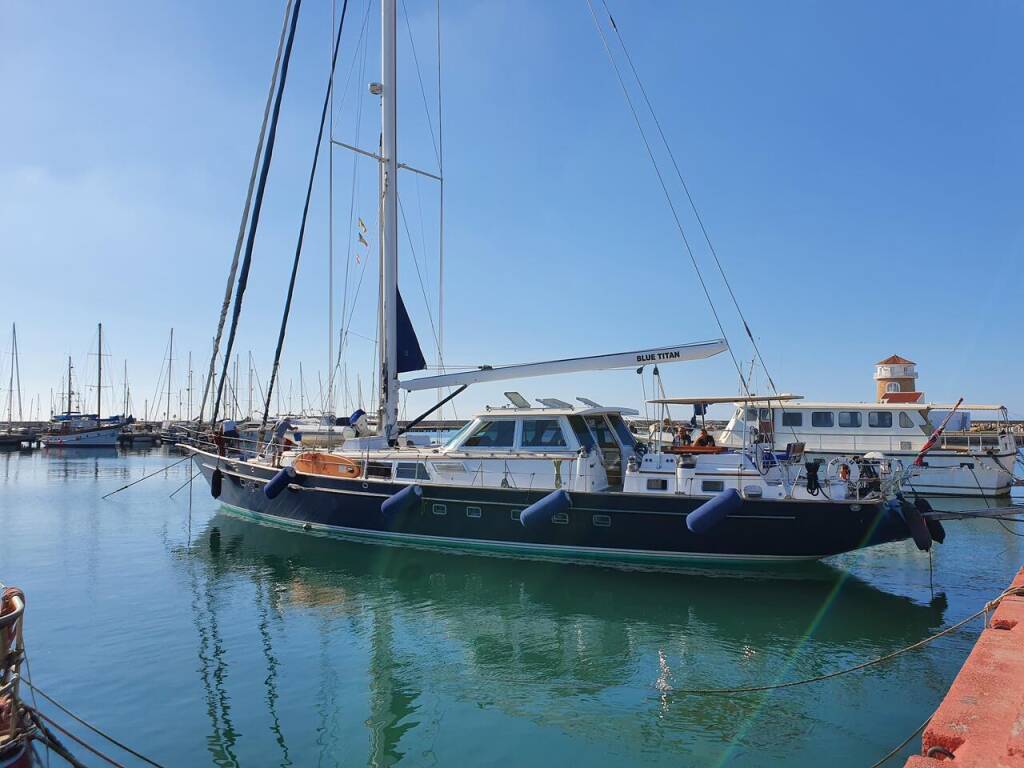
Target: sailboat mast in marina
[(554, 480)]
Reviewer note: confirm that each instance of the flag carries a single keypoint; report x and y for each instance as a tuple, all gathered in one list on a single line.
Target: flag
[(362, 225), (931, 441), (362, 240)]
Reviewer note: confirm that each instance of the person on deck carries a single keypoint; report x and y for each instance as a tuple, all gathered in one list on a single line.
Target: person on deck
[(705, 440), (682, 438)]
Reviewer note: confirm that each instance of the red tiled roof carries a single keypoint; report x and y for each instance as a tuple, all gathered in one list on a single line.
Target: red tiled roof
[(901, 397), (895, 360)]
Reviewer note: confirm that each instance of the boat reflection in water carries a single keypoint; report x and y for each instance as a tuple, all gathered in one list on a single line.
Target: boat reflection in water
[(418, 637)]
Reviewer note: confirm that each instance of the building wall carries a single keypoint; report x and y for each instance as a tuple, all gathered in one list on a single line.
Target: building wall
[(905, 384)]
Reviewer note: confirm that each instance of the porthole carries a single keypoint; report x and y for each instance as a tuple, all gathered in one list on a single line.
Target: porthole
[(473, 512), (440, 509), (561, 518), (515, 514), (602, 521)]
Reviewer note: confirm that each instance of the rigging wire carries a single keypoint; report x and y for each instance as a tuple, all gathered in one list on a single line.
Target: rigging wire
[(689, 197), (261, 186), (302, 232), (423, 92), (245, 214), (665, 191)]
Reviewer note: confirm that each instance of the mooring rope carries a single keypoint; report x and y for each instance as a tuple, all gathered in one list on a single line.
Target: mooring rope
[(989, 606), (88, 725), (895, 750), (146, 477)]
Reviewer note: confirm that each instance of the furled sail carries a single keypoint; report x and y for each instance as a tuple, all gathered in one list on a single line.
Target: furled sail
[(410, 356)]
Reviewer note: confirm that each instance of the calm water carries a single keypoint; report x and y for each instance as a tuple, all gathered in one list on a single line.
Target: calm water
[(220, 641)]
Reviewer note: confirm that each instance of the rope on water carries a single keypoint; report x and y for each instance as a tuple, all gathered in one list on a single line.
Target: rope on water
[(88, 725), (895, 750), (989, 606), (146, 477), (82, 742), (47, 737), (187, 482)]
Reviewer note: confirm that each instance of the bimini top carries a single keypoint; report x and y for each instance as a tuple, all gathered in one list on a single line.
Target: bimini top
[(564, 409), (762, 399), (873, 406)]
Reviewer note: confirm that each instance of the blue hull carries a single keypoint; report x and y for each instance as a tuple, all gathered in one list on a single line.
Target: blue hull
[(614, 527)]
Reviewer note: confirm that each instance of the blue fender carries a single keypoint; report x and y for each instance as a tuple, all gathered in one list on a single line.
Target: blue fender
[(279, 482), (714, 510), (401, 501), (540, 512), (216, 481)]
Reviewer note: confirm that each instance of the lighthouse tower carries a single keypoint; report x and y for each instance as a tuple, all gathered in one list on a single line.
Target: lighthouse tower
[(896, 381)]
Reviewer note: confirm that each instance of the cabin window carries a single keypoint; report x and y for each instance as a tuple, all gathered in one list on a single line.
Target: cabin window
[(822, 418), (542, 433), (712, 486), (603, 433), (657, 484), (440, 509), (379, 470), (579, 428), (473, 512), (849, 419), (560, 518), (751, 414), (905, 421), (792, 419), (492, 434), (411, 471), (602, 521), (622, 430), (880, 419)]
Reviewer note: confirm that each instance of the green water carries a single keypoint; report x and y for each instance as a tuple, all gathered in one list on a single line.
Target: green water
[(215, 640)]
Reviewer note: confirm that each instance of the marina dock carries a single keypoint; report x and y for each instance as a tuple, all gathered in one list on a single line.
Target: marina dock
[(980, 723)]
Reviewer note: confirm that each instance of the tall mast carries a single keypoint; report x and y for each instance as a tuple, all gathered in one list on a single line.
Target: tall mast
[(190, 385), (10, 387), (388, 417), (69, 385), (126, 389), (99, 369), (170, 362)]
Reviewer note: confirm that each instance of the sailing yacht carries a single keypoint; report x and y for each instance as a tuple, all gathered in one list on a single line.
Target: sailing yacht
[(559, 480), (74, 429)]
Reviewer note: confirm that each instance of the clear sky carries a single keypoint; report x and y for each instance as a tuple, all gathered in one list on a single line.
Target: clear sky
[(858, 166)]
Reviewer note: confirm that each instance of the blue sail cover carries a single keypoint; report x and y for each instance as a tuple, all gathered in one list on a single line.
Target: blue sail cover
[(410, 356)]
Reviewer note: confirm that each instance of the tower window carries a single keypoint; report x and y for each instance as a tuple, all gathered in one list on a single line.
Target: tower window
[(892, 386)]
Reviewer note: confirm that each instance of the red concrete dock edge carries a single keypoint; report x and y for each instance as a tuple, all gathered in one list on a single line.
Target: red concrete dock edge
[(981, 720)]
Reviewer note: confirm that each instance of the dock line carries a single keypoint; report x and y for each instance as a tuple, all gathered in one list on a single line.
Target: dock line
[(146, 477), (88, 725), (989, 606)]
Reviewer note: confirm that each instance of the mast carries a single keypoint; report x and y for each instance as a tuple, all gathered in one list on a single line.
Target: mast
[(69, 386), (170, 362), (10, 386), (99, 369), (17, 374), (190, 385), (125, 389), (388, 417)]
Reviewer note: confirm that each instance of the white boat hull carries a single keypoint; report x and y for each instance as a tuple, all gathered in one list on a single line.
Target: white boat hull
[(87, 438)]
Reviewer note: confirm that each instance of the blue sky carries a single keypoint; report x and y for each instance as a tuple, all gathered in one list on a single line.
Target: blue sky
[(858, 167)]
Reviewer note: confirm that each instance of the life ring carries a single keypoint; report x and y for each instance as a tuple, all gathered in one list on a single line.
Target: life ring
[(317, 463), (833, 472)]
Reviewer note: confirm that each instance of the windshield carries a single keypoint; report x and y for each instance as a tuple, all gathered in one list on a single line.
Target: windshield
[(460, 434)]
